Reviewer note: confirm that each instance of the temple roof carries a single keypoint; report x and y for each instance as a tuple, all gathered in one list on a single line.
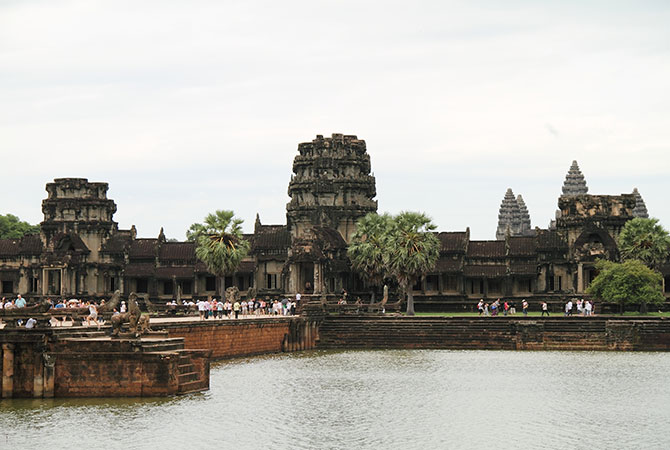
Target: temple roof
[(453, 241), (640, 209), (143, 248), (486, 249), (271, 237), (9, 247), (182, 251), (574, 183), (522, 246)]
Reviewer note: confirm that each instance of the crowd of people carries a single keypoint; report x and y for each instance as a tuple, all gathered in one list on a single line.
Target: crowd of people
[(211, 308), (508, 307)]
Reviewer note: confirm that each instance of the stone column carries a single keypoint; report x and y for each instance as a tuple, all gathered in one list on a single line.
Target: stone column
[(38, 377), (318, 284), (580, 278), (49, 363), (7, 370)]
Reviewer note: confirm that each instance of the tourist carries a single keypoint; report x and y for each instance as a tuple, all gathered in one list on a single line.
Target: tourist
[(20, 302), (292, 309), (505, 308), (588, 307), (580, 306), (512, 307), (494, 308), (92, 314), (486, 309), (219, 310), (2, 303), (202, 309), (236, 308), (480, 306), (566, 312), (297, 297), (524, 307), (245, 308), (545, 309), (31, 323), (123, 307)]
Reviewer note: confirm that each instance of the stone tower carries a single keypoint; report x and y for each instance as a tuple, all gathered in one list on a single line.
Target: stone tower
[(509, 217), (74, 205), (640, 209), (524, 216), (331, 185), (574, 184)]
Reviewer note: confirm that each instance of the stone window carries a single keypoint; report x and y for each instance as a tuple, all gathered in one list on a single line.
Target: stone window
[(228, 282), (210, 284), (240, 283), (142, 286), (495, 286), (168, 287), (450, 283), (53, 282), (186, 287), (666, 284), (33, 284), (113, 284), (271, 281), (7, 287), (431, 283)]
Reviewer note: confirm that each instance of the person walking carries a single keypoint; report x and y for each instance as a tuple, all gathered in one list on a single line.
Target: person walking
[(236, 308), (480, 306), (545, 309), (524, 307)]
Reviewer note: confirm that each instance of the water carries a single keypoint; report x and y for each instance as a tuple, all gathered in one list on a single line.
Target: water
[(419, 399)]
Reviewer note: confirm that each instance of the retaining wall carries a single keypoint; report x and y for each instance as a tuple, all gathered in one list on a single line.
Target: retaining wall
[(500, 333)]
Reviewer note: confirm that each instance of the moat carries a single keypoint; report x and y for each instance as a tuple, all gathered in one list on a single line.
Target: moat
[(409, 399)]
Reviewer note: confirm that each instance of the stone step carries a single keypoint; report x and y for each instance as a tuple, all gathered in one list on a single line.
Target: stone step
[(191, 386), (187, 377), (185, 368)]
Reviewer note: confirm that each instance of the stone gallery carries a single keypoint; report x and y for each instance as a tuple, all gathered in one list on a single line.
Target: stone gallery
[(80, 251)]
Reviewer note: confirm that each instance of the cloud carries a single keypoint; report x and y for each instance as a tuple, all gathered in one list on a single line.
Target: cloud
[(189, 107)]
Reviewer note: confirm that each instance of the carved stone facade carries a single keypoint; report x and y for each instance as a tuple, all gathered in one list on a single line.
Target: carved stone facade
[(80, 251)]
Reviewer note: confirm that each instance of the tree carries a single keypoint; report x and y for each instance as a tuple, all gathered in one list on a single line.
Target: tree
[(630, 282), (11, 227), (368, 247), (220, 244), (412, 251), (645, 240)]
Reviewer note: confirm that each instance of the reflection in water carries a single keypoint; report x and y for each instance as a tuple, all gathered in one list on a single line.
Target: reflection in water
[(415, 399)]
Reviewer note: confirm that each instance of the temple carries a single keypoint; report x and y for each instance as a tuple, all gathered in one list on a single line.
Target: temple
[(80, 251)]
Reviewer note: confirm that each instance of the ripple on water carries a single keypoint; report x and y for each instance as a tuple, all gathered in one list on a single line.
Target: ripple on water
[(377, 399)]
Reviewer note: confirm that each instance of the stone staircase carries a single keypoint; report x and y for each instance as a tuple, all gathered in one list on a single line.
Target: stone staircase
[(501, 333), (190, 379)]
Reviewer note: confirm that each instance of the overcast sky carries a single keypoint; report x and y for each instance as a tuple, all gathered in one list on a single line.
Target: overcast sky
[(185, 107)]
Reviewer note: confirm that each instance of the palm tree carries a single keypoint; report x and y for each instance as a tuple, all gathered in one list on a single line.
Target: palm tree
[(412, 251), (220, 244), (645, 240), (368, 247)]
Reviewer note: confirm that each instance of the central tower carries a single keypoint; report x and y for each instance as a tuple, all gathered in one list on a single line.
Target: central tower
[(331, 185)]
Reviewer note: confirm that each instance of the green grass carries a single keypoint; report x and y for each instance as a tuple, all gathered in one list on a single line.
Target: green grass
[(537, 314)]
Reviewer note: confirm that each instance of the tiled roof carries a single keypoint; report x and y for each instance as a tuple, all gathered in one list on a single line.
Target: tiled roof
[(452, 241), (448, 265), (143, 248), (487, 271), (486, 249), (116, 244), (271, 238), (140, 270), (9, 247), (522, 246), (550, 240), (330, 237), (183, 251), (31, 244), (523, 269)]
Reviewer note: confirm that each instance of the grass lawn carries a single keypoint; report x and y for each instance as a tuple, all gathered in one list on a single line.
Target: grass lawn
[(538, 314)]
